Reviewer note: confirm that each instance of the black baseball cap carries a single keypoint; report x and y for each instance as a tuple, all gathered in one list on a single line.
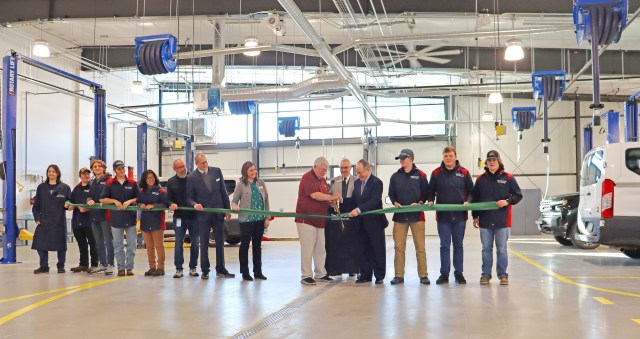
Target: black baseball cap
[(83, 170), (405, 153), (493, 155), (118, 164)]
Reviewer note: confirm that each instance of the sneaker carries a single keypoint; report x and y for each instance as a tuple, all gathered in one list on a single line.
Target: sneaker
[(484, 280), (193, 272), (504, 280), (109, 270), (61, 270), (158, 272), (100, 268), (247, 277), (460, 279), (129, 272), (325, 279), (308, 281), (379, 281), (121, 273), (92, 269), (442, 279), (149, 272), (179, 274), (425, 280), (41, 270), (397, 280), (79, 268), (260, 276)]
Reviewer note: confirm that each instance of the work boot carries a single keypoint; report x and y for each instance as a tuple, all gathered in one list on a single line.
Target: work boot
[(149, 272), (158, 272), (41, 270), (397, 280), (504, 280), (484, 280)]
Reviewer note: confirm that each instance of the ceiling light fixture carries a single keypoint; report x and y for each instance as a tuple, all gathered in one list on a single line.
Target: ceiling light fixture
[(495, 98), (487, 116), (136, 87), (514, 50), (40, 48), (251, 42)]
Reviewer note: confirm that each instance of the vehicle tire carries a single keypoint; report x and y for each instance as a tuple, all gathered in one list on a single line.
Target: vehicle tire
[(631, 252), (564, 241), (579, 243)]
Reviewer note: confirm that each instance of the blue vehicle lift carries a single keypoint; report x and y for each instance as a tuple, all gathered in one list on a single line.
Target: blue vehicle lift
[(9, 107), (142, 134)]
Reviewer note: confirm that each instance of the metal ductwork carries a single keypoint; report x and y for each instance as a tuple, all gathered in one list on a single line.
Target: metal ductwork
[(285, 93), (325, 53), (217, 64)]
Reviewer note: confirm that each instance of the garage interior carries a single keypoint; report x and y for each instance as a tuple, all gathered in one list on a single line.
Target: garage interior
[(282, 82)]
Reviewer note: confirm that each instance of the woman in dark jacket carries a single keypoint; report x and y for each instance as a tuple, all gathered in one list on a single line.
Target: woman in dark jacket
[(152, 223), (251, 193), (81, 223), (49, 212)]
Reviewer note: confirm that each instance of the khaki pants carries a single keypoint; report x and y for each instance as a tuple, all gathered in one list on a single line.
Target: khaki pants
[(311, 250), (400, 231), (154, 241)]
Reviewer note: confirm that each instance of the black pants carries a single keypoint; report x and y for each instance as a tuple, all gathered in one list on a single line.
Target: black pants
[(205, 223), (372, 251), (86, 244), (251, 231)]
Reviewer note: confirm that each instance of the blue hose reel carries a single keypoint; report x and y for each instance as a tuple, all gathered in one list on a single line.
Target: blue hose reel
[(609, 17), (523, 118), (549, 85), (242, 107), (154, 54), (288, 126)]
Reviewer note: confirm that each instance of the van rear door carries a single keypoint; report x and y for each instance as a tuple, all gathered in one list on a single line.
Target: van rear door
[(590, 188)]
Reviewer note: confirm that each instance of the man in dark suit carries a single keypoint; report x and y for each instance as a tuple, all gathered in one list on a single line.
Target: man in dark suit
[(367, 195), (206, 189)]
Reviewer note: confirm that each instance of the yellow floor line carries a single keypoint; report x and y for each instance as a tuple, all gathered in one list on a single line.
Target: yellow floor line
[(636, 320), (31, 307), (565, 279), (40, 293), (604, 301)]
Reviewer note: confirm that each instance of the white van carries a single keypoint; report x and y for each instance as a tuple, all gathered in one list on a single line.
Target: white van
[(608, 212)]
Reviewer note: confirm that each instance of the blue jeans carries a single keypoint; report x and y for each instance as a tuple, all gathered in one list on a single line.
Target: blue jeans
[(44, 259), (487, 237), (104, 242), (118, 246), (190, 225), (448, 232)]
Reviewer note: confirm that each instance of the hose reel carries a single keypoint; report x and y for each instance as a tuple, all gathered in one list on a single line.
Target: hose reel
[(155, 54), (550, 86), (288, 126)]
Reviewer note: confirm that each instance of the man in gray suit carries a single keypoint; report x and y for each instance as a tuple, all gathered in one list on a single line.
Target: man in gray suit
[(343, 184), (206, 189)]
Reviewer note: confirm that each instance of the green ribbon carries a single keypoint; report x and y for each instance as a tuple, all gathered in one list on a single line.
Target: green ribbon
[(476, 206)]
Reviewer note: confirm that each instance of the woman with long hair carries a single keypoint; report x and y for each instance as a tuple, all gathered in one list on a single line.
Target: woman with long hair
[(49, 213), (152, 223), (251, 193)]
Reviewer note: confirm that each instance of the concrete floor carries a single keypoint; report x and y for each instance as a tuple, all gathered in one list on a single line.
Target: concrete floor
[(555, 292)]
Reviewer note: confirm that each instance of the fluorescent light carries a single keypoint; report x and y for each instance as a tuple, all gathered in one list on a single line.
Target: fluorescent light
[(495, 98), (487, 116), (136, 87), (514, 50), (40, 48), (251, 42)]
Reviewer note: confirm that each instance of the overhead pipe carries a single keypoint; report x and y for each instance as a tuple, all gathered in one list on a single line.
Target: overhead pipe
[(325, 53), (450, 35), (217, 62), (238, 50), (293, 91)]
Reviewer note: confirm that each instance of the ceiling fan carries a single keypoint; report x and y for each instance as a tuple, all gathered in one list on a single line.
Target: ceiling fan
[(428, 54)]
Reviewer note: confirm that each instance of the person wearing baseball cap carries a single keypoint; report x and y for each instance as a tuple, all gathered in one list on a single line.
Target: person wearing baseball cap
[(408, 186), (122, 192), (495, 185), (81, 223)]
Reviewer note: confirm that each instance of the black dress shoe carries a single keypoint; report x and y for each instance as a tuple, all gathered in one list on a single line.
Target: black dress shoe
[(260, 276), (247, 277), (205, 275), (61, 270), (442, 279), (379, 281), (40, 270), (363, 280), (225, 274), (460, 279)]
